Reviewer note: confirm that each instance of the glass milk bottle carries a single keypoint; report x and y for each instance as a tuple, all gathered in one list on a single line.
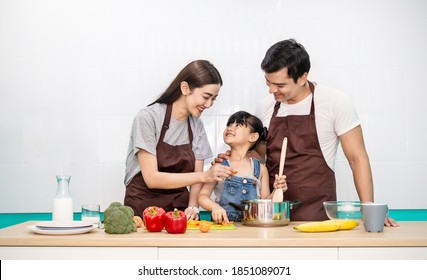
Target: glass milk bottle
[(63, 203)]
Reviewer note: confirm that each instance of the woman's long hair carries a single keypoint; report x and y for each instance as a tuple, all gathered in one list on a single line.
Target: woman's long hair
[(197, 74)]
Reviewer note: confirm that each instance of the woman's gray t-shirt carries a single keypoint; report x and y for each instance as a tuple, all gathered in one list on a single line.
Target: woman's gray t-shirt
[(145, 135)]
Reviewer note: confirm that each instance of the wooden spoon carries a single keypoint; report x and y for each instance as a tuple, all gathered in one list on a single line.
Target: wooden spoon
[(278, 194)]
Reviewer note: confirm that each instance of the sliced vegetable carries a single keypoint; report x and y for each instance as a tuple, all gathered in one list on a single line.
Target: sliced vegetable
[(205, 226), (197, 223)]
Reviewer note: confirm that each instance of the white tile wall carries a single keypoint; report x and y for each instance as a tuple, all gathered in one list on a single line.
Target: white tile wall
[(73, 75)]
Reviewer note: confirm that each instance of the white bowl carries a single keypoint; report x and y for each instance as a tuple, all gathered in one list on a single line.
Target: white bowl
[(343, 209)]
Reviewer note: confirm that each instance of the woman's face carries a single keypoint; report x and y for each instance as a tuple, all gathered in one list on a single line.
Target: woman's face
[(202, 98)]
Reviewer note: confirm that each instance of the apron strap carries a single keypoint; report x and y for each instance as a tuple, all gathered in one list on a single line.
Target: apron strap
[(311, 85), (166, 122), (190, 132), (277, 105)]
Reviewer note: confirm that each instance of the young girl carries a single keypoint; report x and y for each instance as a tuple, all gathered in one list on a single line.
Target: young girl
[(168, 144), (244, 131)]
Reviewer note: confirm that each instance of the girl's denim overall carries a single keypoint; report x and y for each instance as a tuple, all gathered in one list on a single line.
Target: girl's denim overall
[(237, 189)]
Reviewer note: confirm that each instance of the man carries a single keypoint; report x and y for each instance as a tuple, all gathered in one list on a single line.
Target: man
[(314, 118)]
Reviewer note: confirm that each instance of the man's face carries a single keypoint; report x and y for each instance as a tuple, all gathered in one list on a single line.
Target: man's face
[(283, 87)]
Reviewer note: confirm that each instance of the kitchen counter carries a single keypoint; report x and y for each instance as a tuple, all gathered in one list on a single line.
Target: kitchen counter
[(409, 240), (407, 234)]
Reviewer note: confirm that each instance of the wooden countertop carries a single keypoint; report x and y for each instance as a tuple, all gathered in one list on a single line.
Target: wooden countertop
[(408, 234)]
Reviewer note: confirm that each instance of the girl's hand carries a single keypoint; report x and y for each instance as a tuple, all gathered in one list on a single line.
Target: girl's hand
[(280, 182), (217, 173), (191, 214), (219, 215)]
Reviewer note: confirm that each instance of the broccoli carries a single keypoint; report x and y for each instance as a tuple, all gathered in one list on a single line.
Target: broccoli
[(118, 218)]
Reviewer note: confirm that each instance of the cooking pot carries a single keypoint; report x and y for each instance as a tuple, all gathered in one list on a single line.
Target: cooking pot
[(264, 212)]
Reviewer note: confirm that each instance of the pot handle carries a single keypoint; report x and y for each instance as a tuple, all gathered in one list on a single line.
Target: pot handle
[(294, 203), (238, 207)]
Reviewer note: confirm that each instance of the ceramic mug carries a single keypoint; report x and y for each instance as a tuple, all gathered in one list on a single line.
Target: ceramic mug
[(373, 215)]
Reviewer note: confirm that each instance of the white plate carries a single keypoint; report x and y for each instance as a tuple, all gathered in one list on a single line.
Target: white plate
[(63, 224), (62, 231)]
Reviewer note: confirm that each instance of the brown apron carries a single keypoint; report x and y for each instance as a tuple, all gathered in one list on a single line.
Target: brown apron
[(309, 178), (170, 159)]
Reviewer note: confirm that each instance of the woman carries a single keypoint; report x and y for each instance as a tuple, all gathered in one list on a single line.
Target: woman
[(168, 144)]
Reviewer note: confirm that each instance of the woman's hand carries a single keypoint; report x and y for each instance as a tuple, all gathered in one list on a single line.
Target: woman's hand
[(280, 183), (217, 173), (219, 215)]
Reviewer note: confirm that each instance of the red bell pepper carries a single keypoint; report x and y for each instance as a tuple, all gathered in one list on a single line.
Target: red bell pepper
[(154, 218), (175, 221)]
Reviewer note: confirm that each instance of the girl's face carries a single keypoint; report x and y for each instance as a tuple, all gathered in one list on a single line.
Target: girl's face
[(201, 98), (239, 134)]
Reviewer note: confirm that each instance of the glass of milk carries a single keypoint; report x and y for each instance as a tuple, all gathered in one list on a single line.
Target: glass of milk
[(90, 213)]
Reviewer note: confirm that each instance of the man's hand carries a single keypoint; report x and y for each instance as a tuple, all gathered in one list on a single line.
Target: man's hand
[(220, 157), (390, 222)]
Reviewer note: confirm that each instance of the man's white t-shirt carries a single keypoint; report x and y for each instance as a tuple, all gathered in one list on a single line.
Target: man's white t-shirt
[(334, 114)]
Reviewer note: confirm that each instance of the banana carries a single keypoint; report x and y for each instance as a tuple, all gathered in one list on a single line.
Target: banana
[(344, 224), (317, 227), (328, 225)]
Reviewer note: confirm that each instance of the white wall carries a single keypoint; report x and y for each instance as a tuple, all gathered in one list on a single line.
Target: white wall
[(74, 73)]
